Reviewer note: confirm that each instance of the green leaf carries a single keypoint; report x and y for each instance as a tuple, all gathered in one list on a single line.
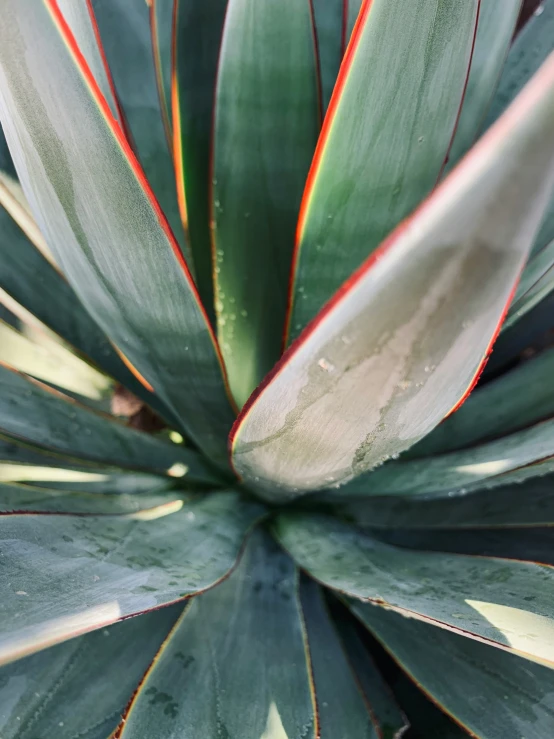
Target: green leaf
[(262, 154), (530, 49), (537, 282), (402, 343), (125, 33), (464, 470), (516, 399), (384, 709), (353, 8), (65, 693), (528, 543), (329, 29), (236, 663), (343, 711), (117, 252), (404, 78), (161, 23), (197, 43), (6, 163), (80, 19), (503, 602), (27, 276), (111, 484), (504, 506), (495, 30), (65, 575), (492, 694), (38, 354), (32, 412), (18, 497)]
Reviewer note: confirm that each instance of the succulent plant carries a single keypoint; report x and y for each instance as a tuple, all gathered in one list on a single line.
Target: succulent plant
[(254, 257)]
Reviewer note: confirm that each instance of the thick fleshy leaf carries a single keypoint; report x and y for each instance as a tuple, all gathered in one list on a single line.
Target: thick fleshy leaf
[(386, 713), (492, 694), (507, 506), (161, 23), (196, 42), (537, 282), (528, 544), (516, 399), (111, 484), (465, 470), (236, 664), (23, 456), (31, 412), (39, 355), (28, 277), (502, 602), (266, 127), (126, 34), (67, 575), (402, 343), (343, 711), (330, 35), (79, 17), (117, 252), (81, 688), (384, 139), (495, 29), (531, 47), (18, 497)]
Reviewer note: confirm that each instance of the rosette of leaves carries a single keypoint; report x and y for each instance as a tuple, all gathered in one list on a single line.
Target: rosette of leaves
[(254, 257)]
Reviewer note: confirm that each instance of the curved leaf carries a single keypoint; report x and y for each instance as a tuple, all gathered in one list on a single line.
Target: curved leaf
[(117, 252), (537, 282), (384, 139), (17, 497), (344, 712), (126, 37), (64, 692), (66, 575), (111, 484), (516, 399), (80, 19), (463, 470), (262, 154), (402, 343), (239, 658), (386, 713), (495, 30), (530, 49), (28, 277), (466, 679), (502, 602), (31, 412), (40, 356), (507, 506), (161, 24), (196, 43)]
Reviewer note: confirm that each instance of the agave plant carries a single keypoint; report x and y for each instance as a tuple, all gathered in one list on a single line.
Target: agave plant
[(252, 262)]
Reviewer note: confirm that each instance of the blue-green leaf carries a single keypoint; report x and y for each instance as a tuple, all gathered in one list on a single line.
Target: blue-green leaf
[(492, 694), (66, 575), (266, 127), (502, 602), (81, 688), (116, 251), (31, 412), (236, 663)]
